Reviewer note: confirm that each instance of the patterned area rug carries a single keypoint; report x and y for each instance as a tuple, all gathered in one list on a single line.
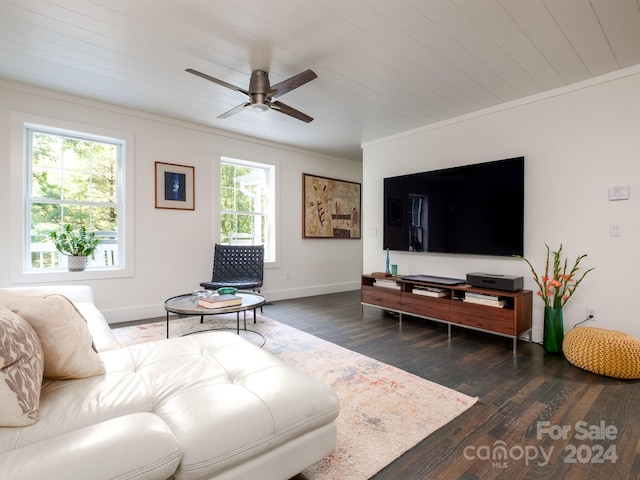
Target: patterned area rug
[(384, 411)]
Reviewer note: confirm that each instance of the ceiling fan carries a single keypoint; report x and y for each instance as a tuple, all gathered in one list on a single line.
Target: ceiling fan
[(261, 93)]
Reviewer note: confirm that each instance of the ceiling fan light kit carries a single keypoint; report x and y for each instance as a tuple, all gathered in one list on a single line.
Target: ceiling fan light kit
[(259, 107), (261, 93)]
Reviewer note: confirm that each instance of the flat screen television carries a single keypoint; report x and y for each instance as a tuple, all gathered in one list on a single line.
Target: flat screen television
[(473, 209)]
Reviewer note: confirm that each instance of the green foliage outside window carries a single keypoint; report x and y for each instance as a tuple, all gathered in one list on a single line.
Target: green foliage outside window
[(242, 203)]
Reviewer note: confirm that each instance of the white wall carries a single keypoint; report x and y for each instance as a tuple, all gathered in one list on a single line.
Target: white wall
[(577, 142), (173, 248)]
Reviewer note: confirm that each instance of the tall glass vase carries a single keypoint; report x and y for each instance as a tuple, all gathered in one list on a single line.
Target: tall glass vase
[(553, 330)]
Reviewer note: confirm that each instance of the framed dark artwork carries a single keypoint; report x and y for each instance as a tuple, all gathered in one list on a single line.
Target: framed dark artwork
[(175, 186), (331, 208)]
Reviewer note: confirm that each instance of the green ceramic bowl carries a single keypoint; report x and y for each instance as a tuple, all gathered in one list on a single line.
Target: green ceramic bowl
[(227, 291)]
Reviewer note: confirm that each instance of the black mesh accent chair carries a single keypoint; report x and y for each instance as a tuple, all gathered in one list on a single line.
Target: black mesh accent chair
[(239, 266)]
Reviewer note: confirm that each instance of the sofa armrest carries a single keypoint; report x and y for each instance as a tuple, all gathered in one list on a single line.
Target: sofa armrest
[(103, 337), (75, 293), (137, 446)]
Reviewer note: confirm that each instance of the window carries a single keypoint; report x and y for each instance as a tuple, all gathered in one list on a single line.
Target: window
[(247, 205), (40, 146), (72, 178)]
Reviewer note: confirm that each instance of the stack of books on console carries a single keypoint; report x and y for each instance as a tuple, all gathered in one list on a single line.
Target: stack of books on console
[(219, 301), (383, 282), (483, 299), (430, 291)]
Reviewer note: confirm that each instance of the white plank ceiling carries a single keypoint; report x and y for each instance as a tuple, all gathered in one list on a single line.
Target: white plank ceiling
[(383, 66)]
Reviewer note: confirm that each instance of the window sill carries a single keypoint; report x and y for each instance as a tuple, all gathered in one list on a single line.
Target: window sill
[(66, 276)]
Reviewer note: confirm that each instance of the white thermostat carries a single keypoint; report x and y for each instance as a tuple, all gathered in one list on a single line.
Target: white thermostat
[(619, 192)]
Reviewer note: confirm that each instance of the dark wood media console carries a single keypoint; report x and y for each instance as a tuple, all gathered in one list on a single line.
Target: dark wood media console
[(512, 320)]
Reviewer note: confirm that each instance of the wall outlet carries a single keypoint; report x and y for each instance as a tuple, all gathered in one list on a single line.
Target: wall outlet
[(591, 313)]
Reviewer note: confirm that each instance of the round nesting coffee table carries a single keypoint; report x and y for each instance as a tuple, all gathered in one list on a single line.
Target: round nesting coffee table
[(187, 304)]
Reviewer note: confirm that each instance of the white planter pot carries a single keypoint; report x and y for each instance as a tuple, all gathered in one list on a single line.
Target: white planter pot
[(76, 264)]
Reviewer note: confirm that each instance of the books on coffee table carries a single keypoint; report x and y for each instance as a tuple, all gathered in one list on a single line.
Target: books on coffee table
[(219, 301)]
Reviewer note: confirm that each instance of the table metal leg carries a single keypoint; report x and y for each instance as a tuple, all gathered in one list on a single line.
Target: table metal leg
[(167, 324)]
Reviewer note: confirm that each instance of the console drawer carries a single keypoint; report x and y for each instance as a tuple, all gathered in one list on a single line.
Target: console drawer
[(432, 307), (494, 319), (384, 297)]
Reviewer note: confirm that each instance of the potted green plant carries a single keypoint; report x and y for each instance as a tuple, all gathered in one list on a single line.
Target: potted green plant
[(77, 245)]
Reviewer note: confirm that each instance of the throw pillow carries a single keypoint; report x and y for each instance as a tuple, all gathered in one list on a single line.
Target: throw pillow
[(63, 332), (21, 364)]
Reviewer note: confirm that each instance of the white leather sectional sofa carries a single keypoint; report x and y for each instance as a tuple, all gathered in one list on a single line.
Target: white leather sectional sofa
[(208, 406)]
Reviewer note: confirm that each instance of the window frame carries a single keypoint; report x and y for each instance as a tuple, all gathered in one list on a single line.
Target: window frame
[(20, 164)]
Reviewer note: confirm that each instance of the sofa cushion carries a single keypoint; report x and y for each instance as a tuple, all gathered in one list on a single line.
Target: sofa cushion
[(21, 365), (219, 382), (62, 330), (132, 447)]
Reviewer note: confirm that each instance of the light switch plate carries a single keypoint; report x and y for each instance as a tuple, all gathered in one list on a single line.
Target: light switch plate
[(615, 230)]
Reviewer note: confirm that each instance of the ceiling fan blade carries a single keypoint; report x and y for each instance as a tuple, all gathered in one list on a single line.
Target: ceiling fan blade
[(293, 83), (287, 110), (234, 110), (219, 82)]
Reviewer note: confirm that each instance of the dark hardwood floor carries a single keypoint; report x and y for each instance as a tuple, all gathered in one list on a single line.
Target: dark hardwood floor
[(600, 416)]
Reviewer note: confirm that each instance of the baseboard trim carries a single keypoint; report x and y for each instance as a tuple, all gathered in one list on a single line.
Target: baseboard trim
[(142, 312)]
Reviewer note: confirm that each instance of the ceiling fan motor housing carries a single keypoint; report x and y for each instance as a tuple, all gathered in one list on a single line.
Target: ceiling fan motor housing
[(260, 90)]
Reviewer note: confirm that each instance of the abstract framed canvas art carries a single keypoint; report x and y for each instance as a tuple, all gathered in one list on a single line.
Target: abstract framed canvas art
[(331, 208)]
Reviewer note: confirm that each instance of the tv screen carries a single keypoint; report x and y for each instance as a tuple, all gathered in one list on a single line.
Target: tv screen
[(473, 209)]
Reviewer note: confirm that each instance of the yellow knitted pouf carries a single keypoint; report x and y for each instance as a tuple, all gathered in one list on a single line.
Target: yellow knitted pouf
[(605, 352)]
